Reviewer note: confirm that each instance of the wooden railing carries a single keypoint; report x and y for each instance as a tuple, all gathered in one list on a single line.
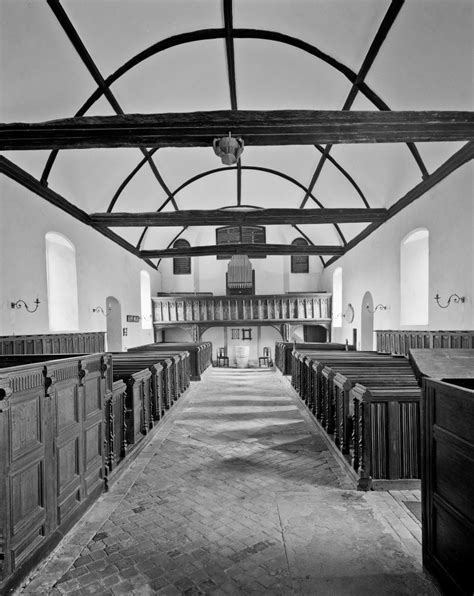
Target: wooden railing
[(171, 310), (369, 404), (399, 342), (56, 343)]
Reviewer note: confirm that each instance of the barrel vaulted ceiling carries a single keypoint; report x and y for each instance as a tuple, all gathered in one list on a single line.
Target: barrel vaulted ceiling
[(237, 64)]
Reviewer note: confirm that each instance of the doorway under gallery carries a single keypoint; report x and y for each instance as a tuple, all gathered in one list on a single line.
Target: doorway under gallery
[(114, 324)]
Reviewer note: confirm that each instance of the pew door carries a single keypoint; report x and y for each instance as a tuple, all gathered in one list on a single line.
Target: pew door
[(26, 428), (92, 388), (64, 394)]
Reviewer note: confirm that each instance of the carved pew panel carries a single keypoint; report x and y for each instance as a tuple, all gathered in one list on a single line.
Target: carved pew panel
[(448, 482), (387, 439), (51, 451), (58, 343), (399, 342)]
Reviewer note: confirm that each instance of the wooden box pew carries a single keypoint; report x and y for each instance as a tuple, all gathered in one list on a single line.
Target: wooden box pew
[(160, 397), (200, 354), (191, 364), (182, 370), (178, 372), (302, 370), (386, 433), (402, 341), (339, 412), (51, 452), (370, 374), (283, 352), (447, 479), (138, 418), (312, 385), (56, 343)]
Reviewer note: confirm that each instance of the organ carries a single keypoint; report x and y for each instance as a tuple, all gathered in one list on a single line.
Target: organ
[(240, 276)]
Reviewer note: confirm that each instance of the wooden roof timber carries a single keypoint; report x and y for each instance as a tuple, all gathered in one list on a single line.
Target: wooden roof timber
[(377, 42), (242, 249), (86, 58), (198, 129), (11, 170), (239, 218)]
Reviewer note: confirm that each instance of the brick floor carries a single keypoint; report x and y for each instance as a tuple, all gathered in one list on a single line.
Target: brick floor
[(237, 493)]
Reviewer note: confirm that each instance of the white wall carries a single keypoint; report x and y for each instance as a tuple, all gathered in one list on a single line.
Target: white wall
[(103, 268), (374, 265), (272, 275)]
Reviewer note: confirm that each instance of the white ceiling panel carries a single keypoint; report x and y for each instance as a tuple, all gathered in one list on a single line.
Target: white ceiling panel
[(187, 78), (341, 29), (114, 31), (273, 76)]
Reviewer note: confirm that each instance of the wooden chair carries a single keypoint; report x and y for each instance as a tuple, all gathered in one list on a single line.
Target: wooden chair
[(266, 359), (222, 358)]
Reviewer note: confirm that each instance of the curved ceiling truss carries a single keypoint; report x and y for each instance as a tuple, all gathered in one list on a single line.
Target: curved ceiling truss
[(229, 33), (202, 35), (227, 169)]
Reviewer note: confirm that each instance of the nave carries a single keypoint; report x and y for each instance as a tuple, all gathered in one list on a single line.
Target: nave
[(237, 492)]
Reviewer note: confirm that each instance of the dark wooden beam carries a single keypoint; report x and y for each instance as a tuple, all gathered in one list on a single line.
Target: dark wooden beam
[(229, 45), (198, 129), (242, 249), (89, 63), (14, 172), (385, 26), (464, 155), (227, 217)]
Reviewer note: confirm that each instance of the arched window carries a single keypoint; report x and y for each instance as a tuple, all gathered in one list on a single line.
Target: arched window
[(145, 299), (61, 272), (414, 278), (300, 263), (337, 298), (181, 265)]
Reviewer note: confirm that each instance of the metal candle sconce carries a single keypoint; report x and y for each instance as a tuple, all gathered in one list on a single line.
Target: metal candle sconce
[(19, 303), (378, 307), (453, 297)]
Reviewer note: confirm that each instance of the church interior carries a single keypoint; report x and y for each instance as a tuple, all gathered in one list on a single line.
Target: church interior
[(237, 284)]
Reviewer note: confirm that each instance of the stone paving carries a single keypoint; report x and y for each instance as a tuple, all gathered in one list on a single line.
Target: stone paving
[(237, 493)]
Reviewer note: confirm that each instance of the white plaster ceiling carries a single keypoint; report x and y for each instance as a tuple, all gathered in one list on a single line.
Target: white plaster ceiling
[(425, 63)]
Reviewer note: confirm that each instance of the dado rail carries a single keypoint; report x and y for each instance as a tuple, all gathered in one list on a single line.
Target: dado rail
[(209, 311)]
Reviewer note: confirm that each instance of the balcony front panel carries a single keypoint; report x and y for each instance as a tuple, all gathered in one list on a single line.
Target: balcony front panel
[(172, 310)]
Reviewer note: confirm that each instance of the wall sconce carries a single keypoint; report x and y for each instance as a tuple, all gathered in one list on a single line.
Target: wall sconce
[(228, 149), (19, 303), (101, 310), (453, 297), (378, 307)]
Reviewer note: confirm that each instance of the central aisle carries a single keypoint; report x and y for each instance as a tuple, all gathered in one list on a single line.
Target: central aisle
[(236, 493)]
